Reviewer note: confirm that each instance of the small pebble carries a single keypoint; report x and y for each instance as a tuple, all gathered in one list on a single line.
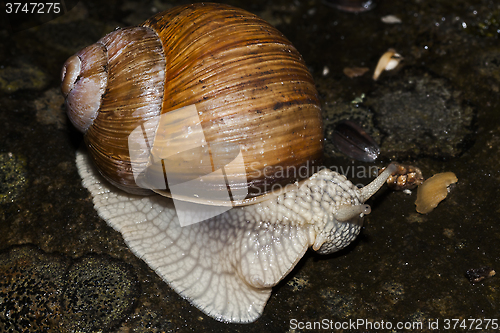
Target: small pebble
[(406, 177), (326, 70), (479, 274), (391, 19)]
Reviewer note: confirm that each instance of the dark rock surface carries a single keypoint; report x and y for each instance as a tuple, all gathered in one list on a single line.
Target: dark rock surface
[(404, 267), (43, 292)]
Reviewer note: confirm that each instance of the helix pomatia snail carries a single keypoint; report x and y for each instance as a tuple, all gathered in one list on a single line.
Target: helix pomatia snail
[(245, 86)]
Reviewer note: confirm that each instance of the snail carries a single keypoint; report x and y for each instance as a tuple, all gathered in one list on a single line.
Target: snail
[(210, 92)]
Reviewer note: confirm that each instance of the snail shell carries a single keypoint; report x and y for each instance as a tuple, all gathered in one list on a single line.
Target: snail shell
[(250, 89)]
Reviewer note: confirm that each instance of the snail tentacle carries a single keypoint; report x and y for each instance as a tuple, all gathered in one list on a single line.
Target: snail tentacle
[(376, 184), (346, 213)]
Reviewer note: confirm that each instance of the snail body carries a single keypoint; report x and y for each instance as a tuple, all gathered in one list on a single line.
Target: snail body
[(195, 90)]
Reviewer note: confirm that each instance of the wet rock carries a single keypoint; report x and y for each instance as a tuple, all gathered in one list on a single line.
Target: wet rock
[(49, 110), (414, 114), (432, 252), (24, 76), (148, 320), (30, 290), (99, 293), (394, 291), (487, 65), (487, 26), (339, 304), (12, 176), (41, 292), (421, 115)]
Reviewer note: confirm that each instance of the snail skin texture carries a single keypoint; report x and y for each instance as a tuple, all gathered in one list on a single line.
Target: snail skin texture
[(250, 89)]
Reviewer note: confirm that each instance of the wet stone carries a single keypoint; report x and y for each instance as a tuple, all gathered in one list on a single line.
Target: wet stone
[(30, 290), (489, 26), (458, 41), (339, 304), (421, 115), (12, 176), (394, 291), (24, 76), (488, 66), (147, 320), (49, 110), (99, 293), (42, 292)]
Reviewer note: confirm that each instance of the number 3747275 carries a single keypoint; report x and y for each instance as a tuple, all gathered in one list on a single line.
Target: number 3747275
[(32, 7), (471, 324)]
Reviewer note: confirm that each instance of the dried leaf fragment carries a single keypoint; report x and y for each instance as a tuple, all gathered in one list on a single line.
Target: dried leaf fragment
[(387, 62), (352, 72), (433, 191)]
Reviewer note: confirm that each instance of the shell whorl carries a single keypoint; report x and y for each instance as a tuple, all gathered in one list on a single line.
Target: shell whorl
[(84, 79), (133, 97)]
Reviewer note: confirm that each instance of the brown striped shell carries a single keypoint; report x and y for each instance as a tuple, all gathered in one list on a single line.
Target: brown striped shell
[(246, 82)]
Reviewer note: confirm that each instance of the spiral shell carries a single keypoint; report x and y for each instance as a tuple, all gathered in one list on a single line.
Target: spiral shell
[(249, 86)]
